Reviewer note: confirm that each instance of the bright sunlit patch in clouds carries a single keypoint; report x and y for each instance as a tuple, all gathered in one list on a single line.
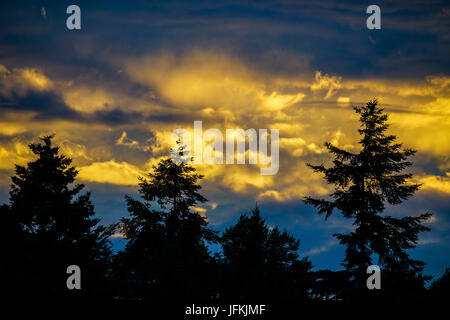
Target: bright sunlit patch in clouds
[(112, 172), (207, 81), (88, 100), (198, 209), (298, 146), (35, 79), (21, 80), (117, 235), (277, 101), (343, 100), (326, 82), (272, 195), (125, 141), (434, 183), (198, 79), (14, 153)]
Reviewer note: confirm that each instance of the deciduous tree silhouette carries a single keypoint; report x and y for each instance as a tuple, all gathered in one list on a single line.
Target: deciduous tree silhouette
[(364, 182), (49, 226), (262, 262), (166, 255)]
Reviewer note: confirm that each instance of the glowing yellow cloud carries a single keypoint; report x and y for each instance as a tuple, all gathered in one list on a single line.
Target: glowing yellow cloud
[(343, 100), (117, 235), (276, 101), (326, 82), (88, 99), (224, 92), (203, 79), (15, 153), (435, 183), (35, 79), (9, 129), (198, 209), (20, 80), (121, 173)]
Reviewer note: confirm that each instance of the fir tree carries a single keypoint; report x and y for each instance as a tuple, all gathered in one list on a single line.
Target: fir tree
[(263, 262), (364, 182), (50, 226), (166, 255)]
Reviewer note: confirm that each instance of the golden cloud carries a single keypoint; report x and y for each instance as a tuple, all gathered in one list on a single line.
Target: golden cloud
[(14, 153), (224, 92), (209, 81), (330, 83), (20, 80), (84, 99), (435, 183), (120, 173)]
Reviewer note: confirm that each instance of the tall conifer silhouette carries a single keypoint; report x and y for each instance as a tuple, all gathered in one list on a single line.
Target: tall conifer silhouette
[(166, 255), (50, 226), (364, 182)]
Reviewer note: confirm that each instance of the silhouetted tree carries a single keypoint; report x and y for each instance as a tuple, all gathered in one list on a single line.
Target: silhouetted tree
[(364, 182), (262, 262), (49, 226), (328, 284), (14, 261), (440, 288), (166, 255)]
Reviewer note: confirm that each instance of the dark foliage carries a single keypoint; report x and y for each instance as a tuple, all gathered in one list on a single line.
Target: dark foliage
[(48, 226), (364, 182), (166, 254), (440, 288), (262, 262)]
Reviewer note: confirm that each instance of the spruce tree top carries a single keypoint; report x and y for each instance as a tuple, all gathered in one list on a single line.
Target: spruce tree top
[(45, 197), (364, 181), (172, 184)]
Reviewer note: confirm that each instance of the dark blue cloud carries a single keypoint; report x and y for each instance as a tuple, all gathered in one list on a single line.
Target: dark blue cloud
[(413, 40), (46, 104)]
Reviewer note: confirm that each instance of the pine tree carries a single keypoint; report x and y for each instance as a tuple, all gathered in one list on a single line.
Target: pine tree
[(364, 182), (263, 262), (51, 227), (166, 255)]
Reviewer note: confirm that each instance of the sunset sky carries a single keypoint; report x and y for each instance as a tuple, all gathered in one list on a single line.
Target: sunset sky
[(114, 91)]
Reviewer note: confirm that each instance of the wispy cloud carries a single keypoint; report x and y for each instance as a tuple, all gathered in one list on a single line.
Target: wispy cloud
[(321, 249)]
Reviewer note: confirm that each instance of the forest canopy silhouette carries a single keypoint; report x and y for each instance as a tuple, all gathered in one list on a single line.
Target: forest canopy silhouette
[(49, 224)]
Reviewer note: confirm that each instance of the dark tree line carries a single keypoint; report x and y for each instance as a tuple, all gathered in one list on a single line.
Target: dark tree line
[(48, 225)]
